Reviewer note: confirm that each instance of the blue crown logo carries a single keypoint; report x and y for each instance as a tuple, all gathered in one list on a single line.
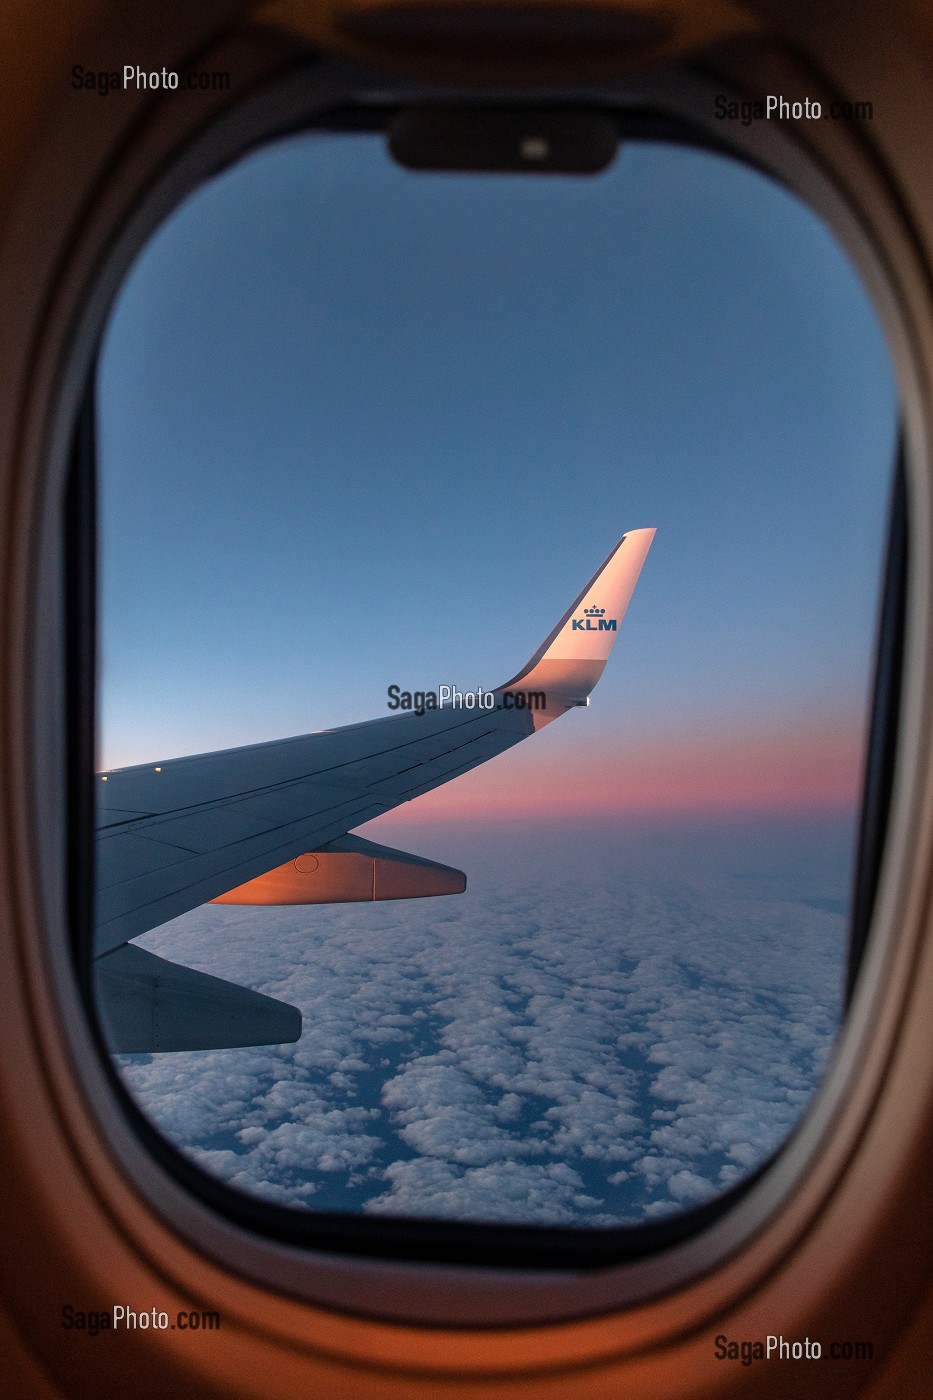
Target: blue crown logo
[(594, 612)]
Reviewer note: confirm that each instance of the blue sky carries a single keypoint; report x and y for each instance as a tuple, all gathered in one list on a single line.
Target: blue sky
[(360, 426)]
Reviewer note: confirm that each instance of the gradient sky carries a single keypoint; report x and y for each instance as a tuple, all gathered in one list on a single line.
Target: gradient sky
[(360, 427)]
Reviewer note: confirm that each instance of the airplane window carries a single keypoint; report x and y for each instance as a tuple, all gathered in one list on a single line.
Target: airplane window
[(367, 435)]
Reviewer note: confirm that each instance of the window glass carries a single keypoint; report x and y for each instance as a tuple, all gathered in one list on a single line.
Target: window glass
[(361, 427)]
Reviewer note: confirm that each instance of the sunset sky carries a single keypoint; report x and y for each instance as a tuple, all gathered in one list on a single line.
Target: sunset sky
[(362, 427)]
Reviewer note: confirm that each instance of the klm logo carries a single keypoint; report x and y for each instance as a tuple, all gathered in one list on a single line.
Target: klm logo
[(594, 620)]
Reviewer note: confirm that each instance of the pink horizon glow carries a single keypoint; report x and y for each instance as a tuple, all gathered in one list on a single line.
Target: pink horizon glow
[(818, 768)]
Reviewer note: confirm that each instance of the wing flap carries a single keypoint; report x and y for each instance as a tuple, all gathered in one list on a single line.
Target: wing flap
[(148, 1004), (347, 871)]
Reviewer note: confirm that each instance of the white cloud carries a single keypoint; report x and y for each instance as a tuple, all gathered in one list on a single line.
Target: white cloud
[(581, 1055)]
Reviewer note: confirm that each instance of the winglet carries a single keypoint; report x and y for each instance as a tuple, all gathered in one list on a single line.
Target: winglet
[(572, 658)]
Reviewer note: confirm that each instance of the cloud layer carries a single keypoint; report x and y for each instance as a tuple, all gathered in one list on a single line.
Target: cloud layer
[(591, 1054)]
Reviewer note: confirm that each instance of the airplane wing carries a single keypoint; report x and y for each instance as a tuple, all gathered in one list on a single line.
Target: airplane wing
[(270, 824)]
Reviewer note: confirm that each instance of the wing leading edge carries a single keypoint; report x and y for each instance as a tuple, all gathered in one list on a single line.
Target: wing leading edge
[(269, 823)]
